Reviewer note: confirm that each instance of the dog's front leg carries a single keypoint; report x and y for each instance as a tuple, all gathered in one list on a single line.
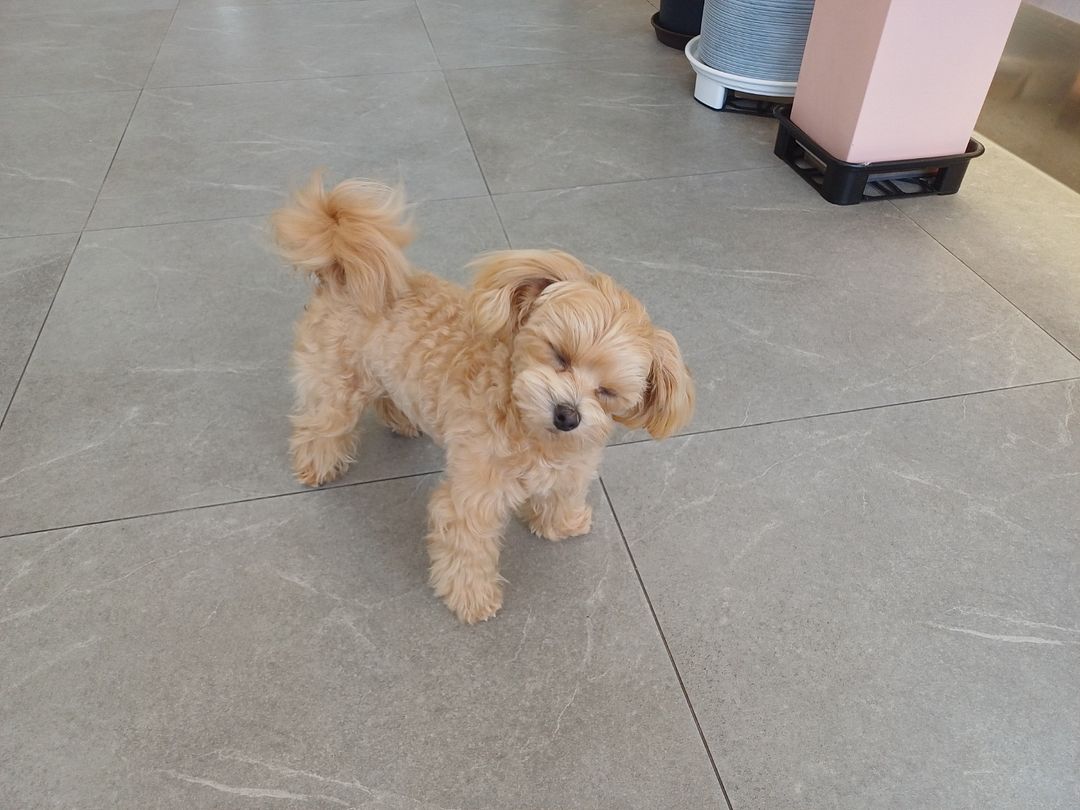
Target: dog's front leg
[(466, 517), (563, 510)]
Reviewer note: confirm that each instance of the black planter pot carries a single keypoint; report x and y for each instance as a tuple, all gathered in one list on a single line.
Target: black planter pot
[(678, 21)]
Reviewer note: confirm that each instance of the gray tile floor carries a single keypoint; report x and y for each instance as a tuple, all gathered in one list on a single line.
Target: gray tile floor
[(851, 584)]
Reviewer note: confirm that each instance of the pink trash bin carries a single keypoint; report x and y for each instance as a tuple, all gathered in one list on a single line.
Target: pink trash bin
[(891, 90), (885, 80)]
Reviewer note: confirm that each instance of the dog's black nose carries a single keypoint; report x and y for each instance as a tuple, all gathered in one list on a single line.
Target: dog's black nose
[(566, 417)]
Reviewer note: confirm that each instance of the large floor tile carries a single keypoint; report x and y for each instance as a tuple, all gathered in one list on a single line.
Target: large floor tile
[(477, 33), (161, 380), (876, 609), (54, 152), (78, 51), (787, 306), (1018, 229), (560, 125), (292, 41), (208, 152), (30, 270), (290, 650)]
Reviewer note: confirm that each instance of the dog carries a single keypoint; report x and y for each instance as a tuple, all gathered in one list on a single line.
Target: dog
[(520, 379)]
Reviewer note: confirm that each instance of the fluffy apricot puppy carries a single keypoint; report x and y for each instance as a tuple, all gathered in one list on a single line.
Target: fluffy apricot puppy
[(520, 378)]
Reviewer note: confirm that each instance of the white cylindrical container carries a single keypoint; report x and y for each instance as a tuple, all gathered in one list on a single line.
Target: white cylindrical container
[(751, 46)]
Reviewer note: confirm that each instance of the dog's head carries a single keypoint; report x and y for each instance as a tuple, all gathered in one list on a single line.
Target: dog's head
[(585, 353)]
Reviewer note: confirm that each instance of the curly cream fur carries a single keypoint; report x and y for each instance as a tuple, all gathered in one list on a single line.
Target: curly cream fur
[(478, 370)]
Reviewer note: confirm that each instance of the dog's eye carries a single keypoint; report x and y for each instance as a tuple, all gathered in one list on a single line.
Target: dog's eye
[(560, 359), (605, 393)]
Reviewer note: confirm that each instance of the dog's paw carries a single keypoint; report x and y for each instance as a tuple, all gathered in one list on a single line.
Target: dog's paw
[(474, 602), (311, 476), (319, 461), (390, 416), (477, 607), (408, 430), (561, 526)]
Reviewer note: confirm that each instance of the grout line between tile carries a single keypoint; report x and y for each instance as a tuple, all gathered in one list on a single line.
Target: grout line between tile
[(427, 33), (498, 216), (328, 76), (763, 168), (572, 60), (127, 123), (491, 196), (255, 499), (55, 13), (37, 337), (667, 647), (258, 215), (157, 53), (300, 3), (441, 68), (35, 235), (978, 275), (112, 160), (464, 127), (828, 414), (132, 89), (438, 471)]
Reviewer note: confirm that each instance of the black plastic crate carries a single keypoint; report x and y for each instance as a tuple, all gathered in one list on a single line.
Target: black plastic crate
[(844, 183)]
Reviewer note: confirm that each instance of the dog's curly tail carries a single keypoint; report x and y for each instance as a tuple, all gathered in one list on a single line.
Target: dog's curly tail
[(351, 238)]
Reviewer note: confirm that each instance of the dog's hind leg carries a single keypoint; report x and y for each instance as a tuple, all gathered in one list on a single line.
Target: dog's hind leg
[(330, 397), (391, 416)]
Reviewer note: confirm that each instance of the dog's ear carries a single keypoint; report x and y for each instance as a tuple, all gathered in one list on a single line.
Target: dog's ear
[(668, 403), (508, 282)]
